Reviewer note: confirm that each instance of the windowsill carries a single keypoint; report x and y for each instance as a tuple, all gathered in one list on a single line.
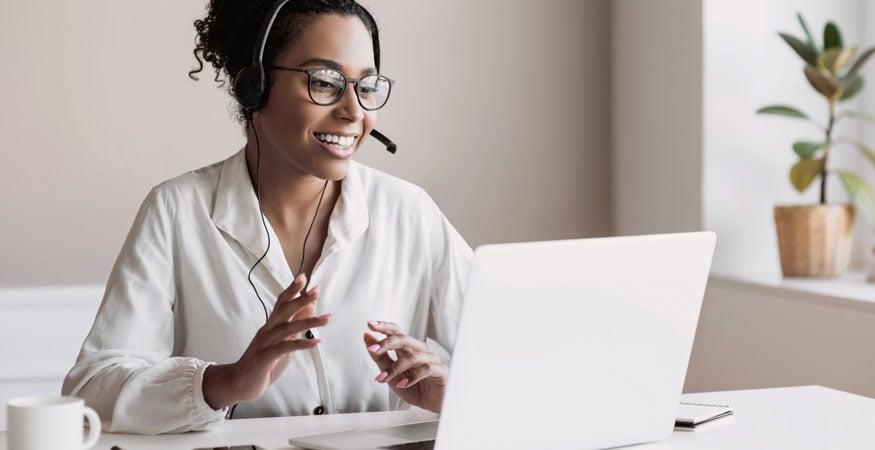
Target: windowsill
[(850, 287)]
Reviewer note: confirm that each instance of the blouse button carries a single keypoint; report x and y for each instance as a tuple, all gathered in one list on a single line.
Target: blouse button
[(309, 334), (319, 410)]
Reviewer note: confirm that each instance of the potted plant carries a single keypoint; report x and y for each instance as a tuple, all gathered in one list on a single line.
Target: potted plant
[(815, 240)]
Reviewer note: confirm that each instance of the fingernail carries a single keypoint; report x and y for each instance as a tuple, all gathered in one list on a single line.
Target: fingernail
[(382, 376), (374, 347), (315, 341), (326, 316), (402, 383), (373, 322)]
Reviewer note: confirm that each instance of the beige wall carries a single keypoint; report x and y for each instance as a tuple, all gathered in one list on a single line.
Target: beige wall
[(757, 336), (515, 147), (656, 117)]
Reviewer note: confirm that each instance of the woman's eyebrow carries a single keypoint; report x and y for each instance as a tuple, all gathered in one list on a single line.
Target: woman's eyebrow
[(334, 65)]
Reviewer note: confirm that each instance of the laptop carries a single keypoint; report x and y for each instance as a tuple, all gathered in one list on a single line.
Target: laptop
[(579, 344)]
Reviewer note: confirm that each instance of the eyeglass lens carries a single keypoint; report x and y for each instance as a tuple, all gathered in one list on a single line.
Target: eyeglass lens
[(326, 87)]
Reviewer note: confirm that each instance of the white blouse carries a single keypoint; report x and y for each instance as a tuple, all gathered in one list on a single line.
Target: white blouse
[(177, 299)]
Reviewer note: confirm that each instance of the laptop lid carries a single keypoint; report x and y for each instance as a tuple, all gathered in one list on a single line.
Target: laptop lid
[(578, 344)]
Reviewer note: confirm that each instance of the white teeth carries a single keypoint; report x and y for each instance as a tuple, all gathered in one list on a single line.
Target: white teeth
[(344, 141)]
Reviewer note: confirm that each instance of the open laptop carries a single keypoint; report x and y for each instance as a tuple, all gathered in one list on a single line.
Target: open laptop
[(579, 344)]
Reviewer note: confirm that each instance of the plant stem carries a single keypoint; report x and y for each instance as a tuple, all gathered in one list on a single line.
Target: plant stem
[(826, 147)]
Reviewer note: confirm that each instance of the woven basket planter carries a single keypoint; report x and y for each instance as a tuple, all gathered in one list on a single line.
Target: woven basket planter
[(815, 240)]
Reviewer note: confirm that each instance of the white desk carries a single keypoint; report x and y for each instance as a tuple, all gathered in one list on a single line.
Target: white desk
[(797, 418)]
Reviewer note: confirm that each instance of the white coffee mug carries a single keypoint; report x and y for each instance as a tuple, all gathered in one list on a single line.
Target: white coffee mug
[(49, 423)]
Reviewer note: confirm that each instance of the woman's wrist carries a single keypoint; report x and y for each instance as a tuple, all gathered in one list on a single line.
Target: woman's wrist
[(217, 386)]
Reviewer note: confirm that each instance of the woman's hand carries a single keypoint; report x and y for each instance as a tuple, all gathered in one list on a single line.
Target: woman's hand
[(418, 376), (270, 350)]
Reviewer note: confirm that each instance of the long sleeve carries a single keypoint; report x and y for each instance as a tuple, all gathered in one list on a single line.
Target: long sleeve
[(125, 370), (450, 258)]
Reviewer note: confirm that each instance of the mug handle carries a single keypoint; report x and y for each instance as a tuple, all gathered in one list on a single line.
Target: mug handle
[(93, 427)]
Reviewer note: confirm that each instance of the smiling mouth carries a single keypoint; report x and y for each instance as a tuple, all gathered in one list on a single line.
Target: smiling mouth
[(342, 149), (335, 140)]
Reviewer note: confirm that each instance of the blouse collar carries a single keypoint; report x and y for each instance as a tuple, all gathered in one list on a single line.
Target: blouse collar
[(236, 213)]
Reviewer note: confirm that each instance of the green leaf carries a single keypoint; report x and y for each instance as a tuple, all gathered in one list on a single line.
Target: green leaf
[(805, 52), (782, 110), (809, 40), (853, 88), (858, 64), (836, 58), (859, 115), (822, 83), (832, 37), (866, 150), (860, 192), (804, 172), (806, 149)]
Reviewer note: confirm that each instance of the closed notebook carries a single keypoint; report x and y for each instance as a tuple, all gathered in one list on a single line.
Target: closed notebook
[(694, 415)]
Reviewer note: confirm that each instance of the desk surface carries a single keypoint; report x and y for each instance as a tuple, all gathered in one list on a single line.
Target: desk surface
[(798, 418)]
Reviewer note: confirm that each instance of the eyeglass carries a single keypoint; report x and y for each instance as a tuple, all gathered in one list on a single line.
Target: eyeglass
[(327, 86)]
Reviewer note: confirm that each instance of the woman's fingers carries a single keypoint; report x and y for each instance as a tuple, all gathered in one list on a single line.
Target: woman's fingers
[(384, 362), (405, 363), (285, 330), (283, 347), (293, 290), (285, 308), (387, 328), (419, 373), (397, 342), (415, 361)]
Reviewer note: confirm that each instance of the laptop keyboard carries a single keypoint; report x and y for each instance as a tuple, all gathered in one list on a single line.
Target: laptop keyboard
[(424, 445)]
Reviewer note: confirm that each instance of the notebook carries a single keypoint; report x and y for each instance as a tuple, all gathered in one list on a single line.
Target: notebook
[(692, 416)]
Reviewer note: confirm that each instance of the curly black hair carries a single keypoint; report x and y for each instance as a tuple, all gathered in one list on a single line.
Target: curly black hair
[(226, 36)]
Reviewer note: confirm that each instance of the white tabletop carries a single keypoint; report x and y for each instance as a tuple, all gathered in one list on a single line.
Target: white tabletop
[(798, 418)]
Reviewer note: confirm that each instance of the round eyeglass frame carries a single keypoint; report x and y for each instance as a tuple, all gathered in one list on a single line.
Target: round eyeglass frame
[(346, 79)]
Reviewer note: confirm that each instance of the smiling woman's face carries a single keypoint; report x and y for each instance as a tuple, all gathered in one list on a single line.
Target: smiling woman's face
[(289, 122)]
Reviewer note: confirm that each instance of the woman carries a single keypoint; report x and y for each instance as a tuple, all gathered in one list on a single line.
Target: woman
[(346, 263)]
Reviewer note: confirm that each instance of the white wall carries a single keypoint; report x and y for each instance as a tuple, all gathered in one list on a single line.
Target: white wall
[(866, 232), (514, 147), (747, 157), (41, 330)]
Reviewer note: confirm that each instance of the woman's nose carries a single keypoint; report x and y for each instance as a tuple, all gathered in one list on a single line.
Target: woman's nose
[(348, 107)]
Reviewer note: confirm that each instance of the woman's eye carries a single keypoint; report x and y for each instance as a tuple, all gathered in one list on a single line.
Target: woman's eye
[(323, 84)]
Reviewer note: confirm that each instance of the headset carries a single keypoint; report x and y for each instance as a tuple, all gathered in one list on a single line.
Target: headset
[(252, 91)]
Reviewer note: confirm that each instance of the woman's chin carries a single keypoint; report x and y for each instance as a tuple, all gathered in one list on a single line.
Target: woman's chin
[(331, 170)]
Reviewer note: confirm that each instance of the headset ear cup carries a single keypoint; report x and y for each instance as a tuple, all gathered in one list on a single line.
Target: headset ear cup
[(249, 88)]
